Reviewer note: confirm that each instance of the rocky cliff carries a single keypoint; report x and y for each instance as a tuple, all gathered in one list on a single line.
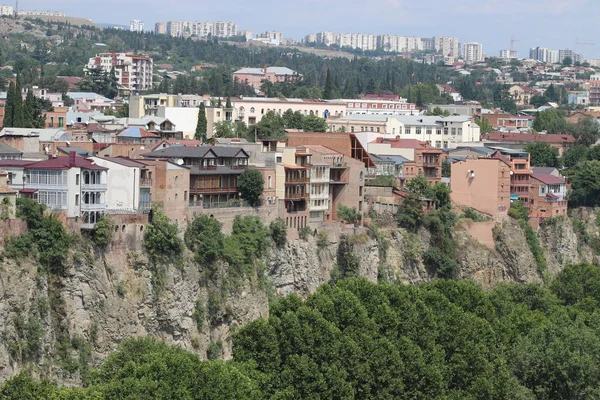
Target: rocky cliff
[(62, 325)]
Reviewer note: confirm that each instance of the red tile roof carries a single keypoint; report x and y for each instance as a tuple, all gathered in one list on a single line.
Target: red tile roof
[(397, 143), (548, 179), (62, 163), (558, 138)]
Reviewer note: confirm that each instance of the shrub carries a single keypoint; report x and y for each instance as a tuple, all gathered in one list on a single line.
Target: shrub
[(214, 351), (410, 213), (305, 232), (161, 240), (472, 214), (439, 262), (199, 315), (322, 240), (103, 232), (18, 247), (348, 214), (278, 232), (204, 237), (121, 291)]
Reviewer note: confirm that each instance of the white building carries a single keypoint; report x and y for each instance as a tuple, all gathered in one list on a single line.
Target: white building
[(448, 46), (377, 107), (473, 52), (184, 118), (71, 184), (134, 72), (201, 29), (136, 25), (508, 54), (246, 33), (35, 13), (7, 11), (274, 38), (160, 28)]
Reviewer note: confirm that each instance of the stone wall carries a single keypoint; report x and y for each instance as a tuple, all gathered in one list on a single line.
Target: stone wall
[(10, 227), (225, 216)]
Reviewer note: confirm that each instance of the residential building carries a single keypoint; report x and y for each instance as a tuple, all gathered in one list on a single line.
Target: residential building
[(254, 76), (216, 115), (520, 180), (447, 46), (568, 53), (549, 196), (378, 107), (72, 185), (201, 29), (35, 13), (160, 28), (427, 163), (508, 54), (213, 172), (469, 152), (482, 184), (6, 11), (293, 185), (88, 102), (134, 72), (579, 97), (594, 89), (250, 110), (57, 118), (29, 140), (522, 94), (450, 91), (473, 52), (136, 26), (274, 38), (470, 108), (9, 153), (562, 141), (504, 121), (438, 131), (246, 34), (149, 104), (137, 135), (129, 184)]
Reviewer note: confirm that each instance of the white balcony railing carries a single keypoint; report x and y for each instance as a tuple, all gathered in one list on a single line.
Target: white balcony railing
[(93, 187), (93, 207)]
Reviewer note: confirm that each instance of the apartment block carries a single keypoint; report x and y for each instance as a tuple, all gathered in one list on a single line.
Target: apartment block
[(201, 29), (136, 26), (473, 52), (160, 28), (6, 11), (427, 163), (134, 72)]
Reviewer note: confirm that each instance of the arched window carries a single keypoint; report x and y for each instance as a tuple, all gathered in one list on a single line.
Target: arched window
[(269, 181), (362, 175), (252, 110)]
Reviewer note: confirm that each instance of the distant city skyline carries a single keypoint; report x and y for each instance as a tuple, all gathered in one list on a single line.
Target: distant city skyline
[(555, 24)]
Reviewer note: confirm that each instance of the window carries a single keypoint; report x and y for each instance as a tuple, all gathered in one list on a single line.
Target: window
[(438, 144), (460, 131), (352, 129), (77, 179), (418, 131), (373, 105), (445, 131), (407, 131), (428, 131), (377, 129), (445, 144), (454, 131), (77, 198), (252, 110), (270, 182), (438, 131), (176, 178), (385, 106), (51, 122), (278, 159), (61, 122)]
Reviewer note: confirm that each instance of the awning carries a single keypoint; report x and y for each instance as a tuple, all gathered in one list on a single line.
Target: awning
[(28, 190), (514, 197)]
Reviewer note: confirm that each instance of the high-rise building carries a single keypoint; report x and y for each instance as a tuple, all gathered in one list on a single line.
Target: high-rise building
[(7, 11), (473, 52), (160, 28), (201, 29), (508, 54), (448, 46), (562, 54), (133, 72), (136, 25)]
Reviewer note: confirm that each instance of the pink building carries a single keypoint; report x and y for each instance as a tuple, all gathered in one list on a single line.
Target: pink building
[(254, 76)]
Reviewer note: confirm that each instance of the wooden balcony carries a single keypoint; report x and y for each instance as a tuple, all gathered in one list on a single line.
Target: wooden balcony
[(213, 190), (297, 196)]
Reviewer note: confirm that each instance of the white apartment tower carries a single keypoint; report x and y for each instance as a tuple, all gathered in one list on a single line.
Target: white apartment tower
[(473, 52), (160, 28), (134, 72), (6, 11), (136, 25)]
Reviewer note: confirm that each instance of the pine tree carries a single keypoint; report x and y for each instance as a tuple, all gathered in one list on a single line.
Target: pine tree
[(9, 106), (18, 121), (329, 92), (351, 91), (202, 123), (29, 110)]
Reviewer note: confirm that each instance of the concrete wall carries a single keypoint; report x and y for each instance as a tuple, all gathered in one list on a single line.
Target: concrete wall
[(184, 118), (123, 185), (488, 191)]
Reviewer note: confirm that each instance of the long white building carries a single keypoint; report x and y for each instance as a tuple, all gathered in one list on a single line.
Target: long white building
[(201, 29)]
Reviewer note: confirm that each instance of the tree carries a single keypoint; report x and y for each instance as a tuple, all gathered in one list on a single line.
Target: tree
[(585, 183), (348, 214), (278, 232), (271, 126), (538, 101), (350, 90), (9, 108), (551, 93), (329, 92), (543, 155), (574, 155), (551, 121), (484, 125), (123, 111), (224, 129), (509, 106), (204, 237), (251, 184), (567, 61), (586, 131), (228, 102), (437, 111), (18, 116), (32, 111), (103, 232), (201, 124), (312, 123), (161, 239), (292, 120)]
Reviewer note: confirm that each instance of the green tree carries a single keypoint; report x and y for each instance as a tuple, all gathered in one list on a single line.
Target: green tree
[(271, 126), (312, 123), (567, 61), (543, 155), (201, 123), (348, 214), (551, 121), (161, 239), (585, 184), (204, 237), (551, 93), (18, 114), (538, 101), (292, 120), (9, 108), (103, 232), (224, 129), (351, 90), (251, 184), (278, 232), (330, 91), (586, 131), (574, 155), (484, 125)]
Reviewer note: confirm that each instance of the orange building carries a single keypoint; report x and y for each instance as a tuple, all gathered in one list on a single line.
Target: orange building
[(548, 196), (482, 184), (428, 163), (56, 118)]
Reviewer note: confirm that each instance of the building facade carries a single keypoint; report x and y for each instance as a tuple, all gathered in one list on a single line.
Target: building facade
[(254, 76), (473, 52), (134, 72), (136, 26)]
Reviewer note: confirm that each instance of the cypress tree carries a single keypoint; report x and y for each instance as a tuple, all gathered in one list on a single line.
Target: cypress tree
[(228, 102), (202, 124), (329, 91), (9, 106), (18, 121)]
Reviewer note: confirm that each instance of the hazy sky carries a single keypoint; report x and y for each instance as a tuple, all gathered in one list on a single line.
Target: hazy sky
[(545, 23)]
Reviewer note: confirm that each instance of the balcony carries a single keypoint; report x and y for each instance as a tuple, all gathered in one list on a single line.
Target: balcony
[(93, 187), (213, 190), (296, 196), (145, 182), (295, 181), (431, 164), (93, 207), (339, 165)]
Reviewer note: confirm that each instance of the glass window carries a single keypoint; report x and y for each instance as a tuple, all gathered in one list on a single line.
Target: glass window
[(407, 130), (445, 131)]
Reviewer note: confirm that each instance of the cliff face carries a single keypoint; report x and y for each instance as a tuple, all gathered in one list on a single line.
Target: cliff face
[(62, 325)]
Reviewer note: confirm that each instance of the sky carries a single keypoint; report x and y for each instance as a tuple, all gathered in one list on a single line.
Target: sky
[(555, 24)]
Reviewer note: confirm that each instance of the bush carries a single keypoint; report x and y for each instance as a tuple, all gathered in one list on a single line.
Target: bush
[(278, 232), (204, 237), (322, 240), (438, 261), (214, 351), (518, 211), (410, 213), (161, 239), (350, 215), (472, 215), (199, 315), (18, 247), (103, 232), (305, 232)]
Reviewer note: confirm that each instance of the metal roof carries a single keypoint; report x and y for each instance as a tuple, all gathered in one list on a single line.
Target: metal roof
[(270, 70)]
